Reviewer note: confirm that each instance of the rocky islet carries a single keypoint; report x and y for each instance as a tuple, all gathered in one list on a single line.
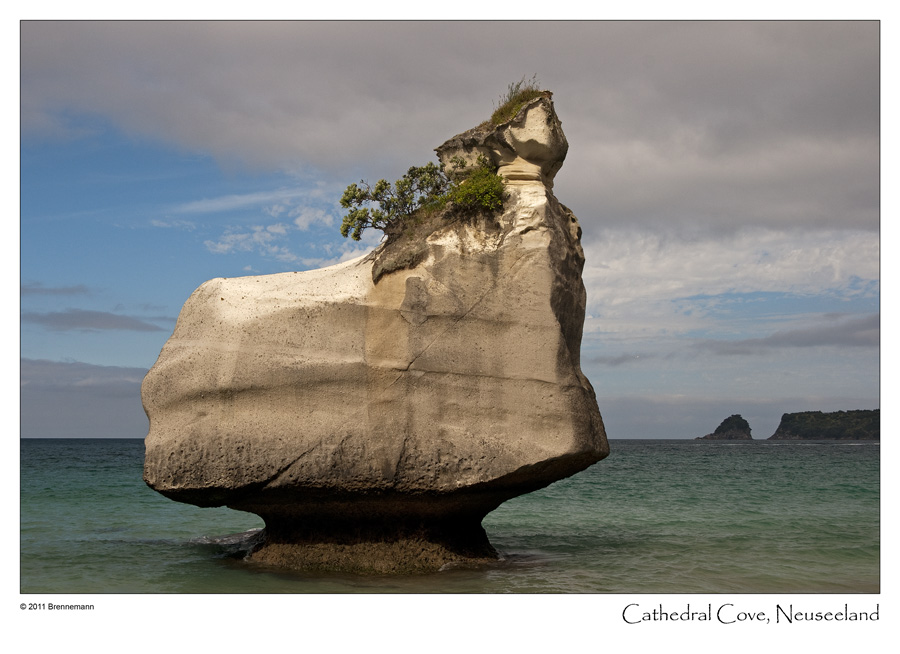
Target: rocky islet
[(732, 428), (858, 425)]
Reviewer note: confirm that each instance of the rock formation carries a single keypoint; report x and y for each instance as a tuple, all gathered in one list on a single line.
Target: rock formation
[(839, 425), (529, 149), (372, 413), (732, 428)]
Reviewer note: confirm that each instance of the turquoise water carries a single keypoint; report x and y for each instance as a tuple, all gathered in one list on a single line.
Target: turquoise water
[(665, 516)]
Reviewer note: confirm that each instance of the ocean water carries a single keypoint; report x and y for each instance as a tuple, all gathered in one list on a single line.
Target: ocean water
[(665, 516)]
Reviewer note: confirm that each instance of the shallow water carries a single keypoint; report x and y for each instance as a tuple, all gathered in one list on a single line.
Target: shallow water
[(666, 516)]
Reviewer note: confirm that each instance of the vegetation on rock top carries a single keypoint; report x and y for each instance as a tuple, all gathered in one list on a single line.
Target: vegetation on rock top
[(841, 425), (422, 191), (732, 428), (733, 423), (422, 187), (517, 95), (466, 190)]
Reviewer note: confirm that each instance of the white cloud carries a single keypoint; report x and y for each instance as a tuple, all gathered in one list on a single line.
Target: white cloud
[(778, 181), (174, 224), (38, 288), (720, 123), (304, 217), (228, 243), (296, 204), (275, 210), (707, 158), (260, 239), (88, 401), (642, 283), (237, 201), (347, 253), (827, 331), (53, 375), (664, 309), (87, 320)]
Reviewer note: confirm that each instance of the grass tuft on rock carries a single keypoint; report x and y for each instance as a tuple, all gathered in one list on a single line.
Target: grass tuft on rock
[(517, 95)]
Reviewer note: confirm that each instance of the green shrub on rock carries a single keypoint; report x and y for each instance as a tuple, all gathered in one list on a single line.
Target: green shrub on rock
[(480, 188), (467, 190), (419, 187), (422, 189)]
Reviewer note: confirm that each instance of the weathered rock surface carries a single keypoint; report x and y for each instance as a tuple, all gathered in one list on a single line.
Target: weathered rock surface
[(373, 425), (528, 149), (864, 425), (732, 428)]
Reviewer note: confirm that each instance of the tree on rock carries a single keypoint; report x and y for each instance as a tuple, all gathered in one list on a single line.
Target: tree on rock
[(421, 186)]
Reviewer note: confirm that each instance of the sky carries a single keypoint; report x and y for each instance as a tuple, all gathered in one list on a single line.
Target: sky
[(726, 176)]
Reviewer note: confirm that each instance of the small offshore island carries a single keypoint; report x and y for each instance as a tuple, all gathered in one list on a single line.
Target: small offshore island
[(863, 425), (733, 428)]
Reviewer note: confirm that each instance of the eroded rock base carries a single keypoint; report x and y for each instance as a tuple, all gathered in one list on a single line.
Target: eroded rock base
[(375, 550)]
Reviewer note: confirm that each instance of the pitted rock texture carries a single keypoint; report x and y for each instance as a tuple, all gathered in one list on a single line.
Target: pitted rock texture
[(362, 420)]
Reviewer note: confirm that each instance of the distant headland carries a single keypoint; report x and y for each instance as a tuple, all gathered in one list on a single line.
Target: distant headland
[(840, 425), (863, 425)]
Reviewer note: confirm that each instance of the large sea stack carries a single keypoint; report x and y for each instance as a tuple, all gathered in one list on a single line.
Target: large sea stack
[(372, 413)]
